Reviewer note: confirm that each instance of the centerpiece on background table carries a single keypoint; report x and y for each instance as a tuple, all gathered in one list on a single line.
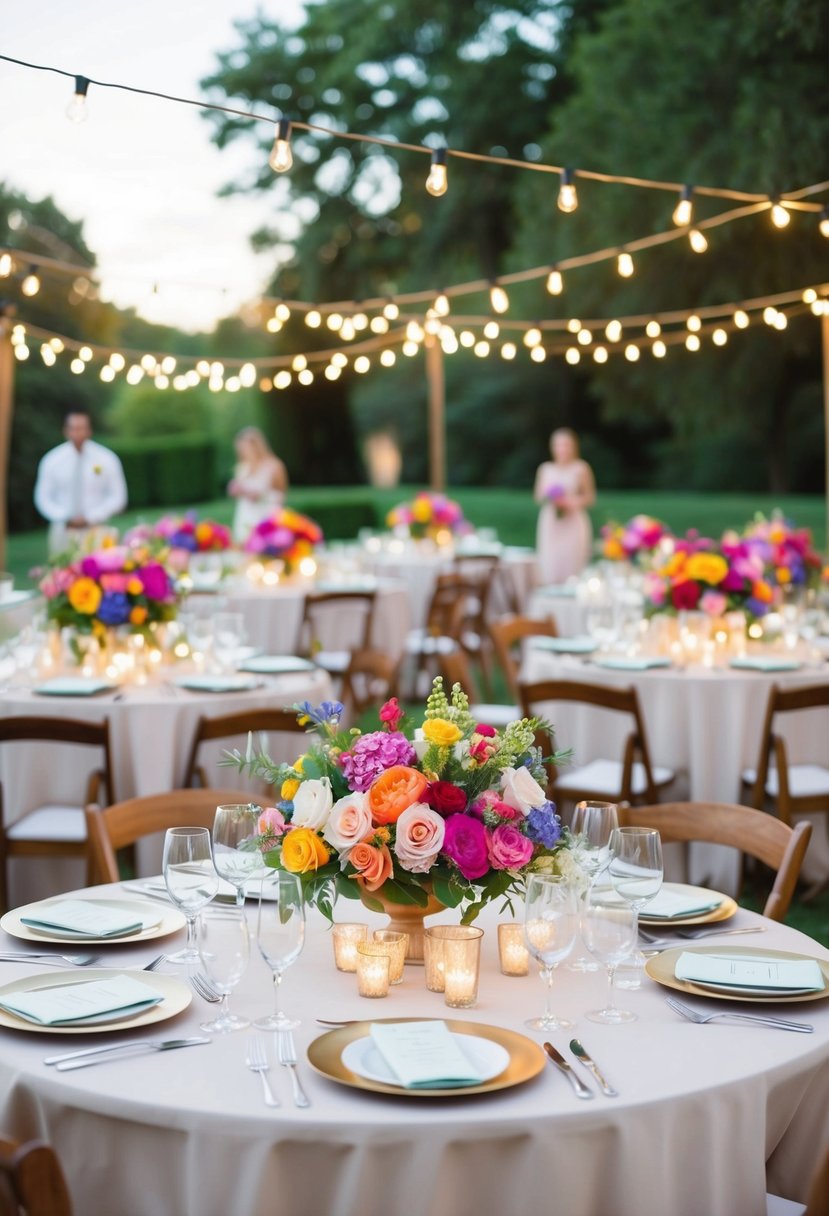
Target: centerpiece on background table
[(452, 814), (704, 575), (789, 557), (286, 537), (639, 541), (429, 516), (187, 534)]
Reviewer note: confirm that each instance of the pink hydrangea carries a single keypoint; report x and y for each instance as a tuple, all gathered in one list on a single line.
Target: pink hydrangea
[(371, 754)]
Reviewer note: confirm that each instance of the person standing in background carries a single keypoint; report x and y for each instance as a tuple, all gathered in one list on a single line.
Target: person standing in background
[(564, 489), (259, 483), (80, 485)]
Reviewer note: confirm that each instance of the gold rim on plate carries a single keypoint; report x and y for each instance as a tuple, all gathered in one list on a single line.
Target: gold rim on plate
[(661, 968), (177, 996), (724, 911), (169, 921), (526, 1059)]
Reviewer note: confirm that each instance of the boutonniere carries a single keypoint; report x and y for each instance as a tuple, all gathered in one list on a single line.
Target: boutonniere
[(96, 468)]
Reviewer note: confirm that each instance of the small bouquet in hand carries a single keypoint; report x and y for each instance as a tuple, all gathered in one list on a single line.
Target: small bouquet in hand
[(556, 495)]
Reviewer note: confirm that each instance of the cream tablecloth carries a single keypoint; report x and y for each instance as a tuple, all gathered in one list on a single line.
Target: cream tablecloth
[(701, 1110)]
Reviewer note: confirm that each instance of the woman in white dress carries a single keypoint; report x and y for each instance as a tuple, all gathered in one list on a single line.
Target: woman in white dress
[(259, 483), (564, 489)]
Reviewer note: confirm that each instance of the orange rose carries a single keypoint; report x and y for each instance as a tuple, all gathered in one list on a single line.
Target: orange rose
[(394, 791), (302, 850), (374, 865), (138, 615)]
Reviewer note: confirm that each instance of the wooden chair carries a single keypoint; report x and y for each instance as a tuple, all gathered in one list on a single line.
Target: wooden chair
[(55, 829), (631, 779), (788, 788), (123, 823), (754, 832), (456, 669), (507, 633), (322, 604), (480, 571), (227, 726), (31, 1180), (444, 624), (370, 678)]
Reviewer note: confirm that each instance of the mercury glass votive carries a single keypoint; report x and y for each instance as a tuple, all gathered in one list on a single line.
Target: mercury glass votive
[(513, 954), (372, 970), (346, 938), (433, 944), (461, 965), (396, 945)]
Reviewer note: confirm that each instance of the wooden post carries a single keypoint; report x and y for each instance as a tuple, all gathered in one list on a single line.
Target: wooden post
[(824, 324), (6, 409), (437, 413)]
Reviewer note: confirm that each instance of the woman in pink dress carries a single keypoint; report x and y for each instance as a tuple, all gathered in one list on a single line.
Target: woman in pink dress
[(564, 489)]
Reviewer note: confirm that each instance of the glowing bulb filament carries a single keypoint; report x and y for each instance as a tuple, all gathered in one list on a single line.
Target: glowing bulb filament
[(281, 158), (498, 298), (780, 217), (76, 111), (698, 240), (823, 226), (437, 182), (568, 199), (555, 282), (31, 284), (684, 209), (624, 264)]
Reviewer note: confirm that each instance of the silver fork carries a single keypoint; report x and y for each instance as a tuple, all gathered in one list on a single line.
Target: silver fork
[(202, 986), (288, 1058), (692, 935), (156, 963), (74, 960), (693, 1015), (257, 1061)]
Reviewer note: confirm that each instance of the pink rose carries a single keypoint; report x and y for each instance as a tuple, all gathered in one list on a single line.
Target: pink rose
[(348, 823), (271, 823), (115, 583), (713, 603), (489, 732), (103, 560), (391, 713), (508, 848), (420, 833), (489, 801), (465, 843)]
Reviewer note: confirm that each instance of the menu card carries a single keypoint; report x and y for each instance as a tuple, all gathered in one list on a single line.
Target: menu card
[(751, 973), (85, 1001), (424, 1055), (84, 918)]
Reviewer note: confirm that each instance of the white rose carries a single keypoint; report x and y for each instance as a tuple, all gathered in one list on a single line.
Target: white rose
[(312, 804), (520, 790), (348, 823), (419, 838)]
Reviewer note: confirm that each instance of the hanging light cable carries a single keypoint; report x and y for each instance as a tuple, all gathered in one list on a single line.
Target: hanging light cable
[(282, 158), (76, 111), (437, 183)]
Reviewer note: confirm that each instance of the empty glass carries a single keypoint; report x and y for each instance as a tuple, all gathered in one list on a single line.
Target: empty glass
[(608, 931), (280, 933), (590, 827), (224, 953), (235, 854), (228, 637), (635, 873), (191, 880), (205, 569), (549, 930)]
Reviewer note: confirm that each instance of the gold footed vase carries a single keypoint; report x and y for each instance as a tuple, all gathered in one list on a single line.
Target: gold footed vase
[(407, 918)]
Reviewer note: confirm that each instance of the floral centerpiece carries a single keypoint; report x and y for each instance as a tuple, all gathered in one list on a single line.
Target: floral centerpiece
[(286, 535), (429, 516), (638, 540), (454, 810), (192, 534), (706, 576), (787, 552)]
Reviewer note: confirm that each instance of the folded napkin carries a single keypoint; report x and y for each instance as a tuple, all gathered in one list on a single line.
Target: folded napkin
[(668, 905), (575, 645), (85, 1001), (750, 974), (424, 1055), (274, 664), (765, 663), (632, 662), (84, 918), (72, 686), (558, 590), (199, 683)]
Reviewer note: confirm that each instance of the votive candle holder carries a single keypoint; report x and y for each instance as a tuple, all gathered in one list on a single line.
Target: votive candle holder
[(395, 945), (346, 938), (512, 953), (372, 970), (461, 967), (435, 938)]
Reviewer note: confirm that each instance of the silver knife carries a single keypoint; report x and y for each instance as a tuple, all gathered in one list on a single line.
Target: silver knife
[(98, 1055), (580, 1054), (582, 1091)]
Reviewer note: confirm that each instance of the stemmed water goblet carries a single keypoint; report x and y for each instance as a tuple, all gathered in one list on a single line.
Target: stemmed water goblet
[(228, 636), (549, 931), (280, 933), (235, 853), (191, 880), (590, 828), (224, 953), (609, 931), (635, 873)]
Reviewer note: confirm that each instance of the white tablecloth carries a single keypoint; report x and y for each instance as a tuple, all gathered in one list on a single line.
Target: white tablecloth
[(701, 1109), (563, 605)]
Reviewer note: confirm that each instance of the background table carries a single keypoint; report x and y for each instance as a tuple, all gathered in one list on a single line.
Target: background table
[(701, 1109)]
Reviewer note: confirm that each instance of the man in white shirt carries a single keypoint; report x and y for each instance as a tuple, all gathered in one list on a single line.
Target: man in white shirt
[(80, 485)]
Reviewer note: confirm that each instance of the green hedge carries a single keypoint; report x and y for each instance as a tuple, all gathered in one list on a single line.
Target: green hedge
[(341, 521), (163, 472)]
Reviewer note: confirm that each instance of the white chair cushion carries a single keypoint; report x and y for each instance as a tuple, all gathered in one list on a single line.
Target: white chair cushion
[(495, 715), (805, 781), (777, 1206), (605, 776), (335, 661), (61, 823)]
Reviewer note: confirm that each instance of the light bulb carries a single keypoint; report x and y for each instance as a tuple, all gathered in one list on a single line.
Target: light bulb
[(414, 332), (334, 321), (76, 366), (332, 373), (282, 158), (388, 358), (697, 240), (653, 329), (107, 373), (600, 354), (281, 380), (809, 295), (555, 282), (684, 209), (441, 305), (533, 336), (313, 319), (659, 349), (573, 325), (31, 284), (390, 311), (692, 343), (624, 264), (481, 349), (781, 321), (5, 265), (508, 350), (299, 363), (347, 330), (117, 361), (719, 337), (538, 354), (823, 226), (613, 331), (498, 298), (584, 337), (741, 319), (780, 217), (76, 111), (568, 199), (48, 355), (362, 364), (360, 321), (437, 182), (631, 352), (379, 325), (306, 377), (491, 330), (282, 312), (769, 314), (572, 355), (694, 324), (410, 348)]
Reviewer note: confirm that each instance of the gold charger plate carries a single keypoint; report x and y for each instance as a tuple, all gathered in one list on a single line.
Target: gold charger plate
[(177, 996), (724, 911), (170, 920), (527, 1059), (661, 968)]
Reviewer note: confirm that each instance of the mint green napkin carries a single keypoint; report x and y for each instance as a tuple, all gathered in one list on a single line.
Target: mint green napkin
[(424, 1055), (86, 1001), (84, 919), (750, 974)]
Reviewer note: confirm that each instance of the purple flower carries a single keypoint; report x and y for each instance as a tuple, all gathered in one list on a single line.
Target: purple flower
[(508, 848), (465, 844), (543, 825), (114, 609), (372, 754)]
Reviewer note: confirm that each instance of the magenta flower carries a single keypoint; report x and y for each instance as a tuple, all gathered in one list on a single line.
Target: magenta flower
[(155, 582), (391, 714), (371, 754), (465, 844), (508, 848)]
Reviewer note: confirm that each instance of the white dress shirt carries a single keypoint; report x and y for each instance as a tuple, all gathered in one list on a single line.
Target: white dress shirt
[(87, 484)]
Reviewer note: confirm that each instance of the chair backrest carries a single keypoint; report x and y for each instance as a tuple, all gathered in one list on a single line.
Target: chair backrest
[(450, 605), (507, 632), (75, 731), (782, 701), (31, 1180), (370, 678), (456, 669), (778, 846), (616, 700), (114, 827), (479, 570), (318, 605), (225, 726)]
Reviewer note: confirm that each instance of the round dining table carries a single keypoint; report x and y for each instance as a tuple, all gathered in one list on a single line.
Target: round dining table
[(707, 1117)]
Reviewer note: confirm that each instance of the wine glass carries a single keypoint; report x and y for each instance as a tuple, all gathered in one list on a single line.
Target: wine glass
[(206, 569), (549, 931), (590, 828), (228, 636), (609, 931), (224, 953), (280, 932), (235, 853), (635, 872), (191, 880)]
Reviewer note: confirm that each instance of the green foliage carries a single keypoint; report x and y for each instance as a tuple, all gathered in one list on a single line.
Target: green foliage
[(165, 472), (142, 411)]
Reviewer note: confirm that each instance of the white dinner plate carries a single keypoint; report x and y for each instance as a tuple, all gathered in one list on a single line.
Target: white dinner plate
[(489, 1058), (157, 922), (157, 888), (175, 994)]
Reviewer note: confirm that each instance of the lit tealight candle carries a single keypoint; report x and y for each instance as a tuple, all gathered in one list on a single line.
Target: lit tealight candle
[(395, 946), (372, 971), (346, 938), (514, 956), (461, 963)]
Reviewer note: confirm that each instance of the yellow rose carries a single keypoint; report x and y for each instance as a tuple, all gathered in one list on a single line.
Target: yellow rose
[(302, 850), (613, 549), (421, 510), (783, 574), (85, 596), (441, 732), (135, 586), (289, 788), (706, 568)]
